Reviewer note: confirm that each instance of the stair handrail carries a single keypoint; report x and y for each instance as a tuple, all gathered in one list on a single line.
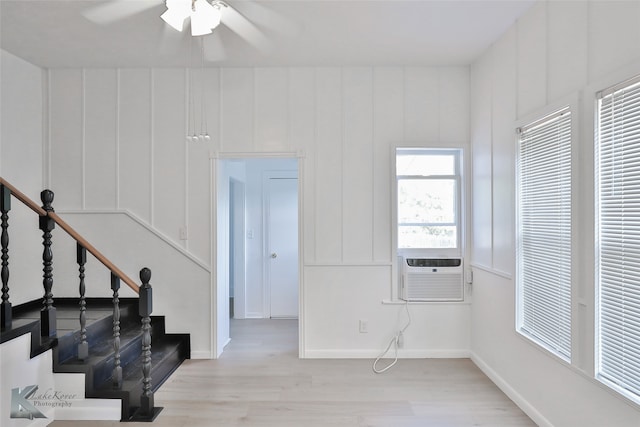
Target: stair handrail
[(48, 217), (23, 198), (73, 233)]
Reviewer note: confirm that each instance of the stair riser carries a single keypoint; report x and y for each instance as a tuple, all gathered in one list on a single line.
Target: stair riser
[(102, 371), (168, 350), (97, 332)]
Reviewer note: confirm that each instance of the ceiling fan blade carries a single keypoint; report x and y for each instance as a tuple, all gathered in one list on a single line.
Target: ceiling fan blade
[(268, 18), (240, 25), (107, 12)]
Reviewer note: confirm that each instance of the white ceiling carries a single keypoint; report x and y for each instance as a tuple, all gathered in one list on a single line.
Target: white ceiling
[(129, 33)]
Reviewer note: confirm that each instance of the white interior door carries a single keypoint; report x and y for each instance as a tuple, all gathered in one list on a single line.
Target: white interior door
[(282, 255)]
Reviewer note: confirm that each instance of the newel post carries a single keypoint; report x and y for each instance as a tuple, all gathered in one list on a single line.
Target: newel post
[(5, 207), (47, 224), (145, 309)]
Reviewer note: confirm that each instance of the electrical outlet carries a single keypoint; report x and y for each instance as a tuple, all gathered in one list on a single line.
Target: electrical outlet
[(364, 326)]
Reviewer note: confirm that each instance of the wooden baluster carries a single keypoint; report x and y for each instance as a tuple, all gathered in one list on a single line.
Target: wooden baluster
[(83, 345), (117, 369), (47, 224), (5, 207), (145, 309)]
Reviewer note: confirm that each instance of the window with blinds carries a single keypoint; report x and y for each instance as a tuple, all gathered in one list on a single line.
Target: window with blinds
[(618, 238), (544, 232)]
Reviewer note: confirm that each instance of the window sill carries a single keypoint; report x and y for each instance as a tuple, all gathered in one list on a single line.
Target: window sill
[(403, 302)]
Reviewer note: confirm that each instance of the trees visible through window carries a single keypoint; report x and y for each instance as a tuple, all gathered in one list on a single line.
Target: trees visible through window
[(428, 198)]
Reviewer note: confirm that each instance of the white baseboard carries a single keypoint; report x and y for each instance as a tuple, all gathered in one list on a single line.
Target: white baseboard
[(372, 354), (201, 355), (516, 397), (254, 315)]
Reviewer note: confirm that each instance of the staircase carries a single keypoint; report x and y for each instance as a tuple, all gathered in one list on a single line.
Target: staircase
[(123, 351)]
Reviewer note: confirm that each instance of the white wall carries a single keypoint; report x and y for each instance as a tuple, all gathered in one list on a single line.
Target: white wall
[(21, 135), (553, 52), (341, 122)]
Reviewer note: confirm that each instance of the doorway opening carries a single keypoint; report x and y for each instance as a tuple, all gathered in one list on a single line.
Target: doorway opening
[(257, 242)]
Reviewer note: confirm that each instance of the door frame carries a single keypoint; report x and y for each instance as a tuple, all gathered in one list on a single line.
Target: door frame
[(266, 269), (216, 288), (237, 268)]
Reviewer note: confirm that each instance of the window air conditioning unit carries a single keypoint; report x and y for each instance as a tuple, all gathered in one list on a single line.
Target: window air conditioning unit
[(432, 279)]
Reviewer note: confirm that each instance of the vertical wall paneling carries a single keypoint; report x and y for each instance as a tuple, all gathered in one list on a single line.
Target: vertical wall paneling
[(46, 128), (135, 141), (453, 87), (342, 122), (358, 164), (83, 147), (502, 150), (270, 130), (66, 138), (388, 131), (100, 138), (152, 151), (185, 142), (22, 128), (117, 136), (237, 110), (567, 29), (198, 191), (302, 136), (618, 36), (169, 175), (328, 173), (481, 137), (421, 111), (560, 50), (532, 59)]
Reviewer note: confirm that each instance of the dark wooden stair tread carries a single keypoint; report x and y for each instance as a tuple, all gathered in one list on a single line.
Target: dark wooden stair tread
[(168, 351)]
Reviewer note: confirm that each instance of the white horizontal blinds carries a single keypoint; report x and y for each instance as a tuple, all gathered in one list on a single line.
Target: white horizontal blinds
[(618, 154), (544, 243)]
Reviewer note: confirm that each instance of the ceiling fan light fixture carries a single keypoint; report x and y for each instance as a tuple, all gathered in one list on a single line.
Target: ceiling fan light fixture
[(177, 11), (205, 16), (200, 24)]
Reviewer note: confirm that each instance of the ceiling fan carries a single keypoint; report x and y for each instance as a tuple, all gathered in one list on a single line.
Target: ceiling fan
[(203, 16)]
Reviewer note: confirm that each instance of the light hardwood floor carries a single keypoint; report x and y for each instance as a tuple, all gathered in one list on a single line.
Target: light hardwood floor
[(259, 381)]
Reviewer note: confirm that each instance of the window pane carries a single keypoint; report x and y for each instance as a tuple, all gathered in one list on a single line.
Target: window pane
[(425, 164), (544, 235), (410, 237), (618, 172), (426, 201)]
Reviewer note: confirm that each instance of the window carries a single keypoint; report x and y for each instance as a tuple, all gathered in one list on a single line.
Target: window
[(618, 237), (544, 232), (428, 190)]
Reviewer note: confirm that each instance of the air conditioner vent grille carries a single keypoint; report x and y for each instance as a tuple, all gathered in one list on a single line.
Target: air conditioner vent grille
[(433, 280)]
